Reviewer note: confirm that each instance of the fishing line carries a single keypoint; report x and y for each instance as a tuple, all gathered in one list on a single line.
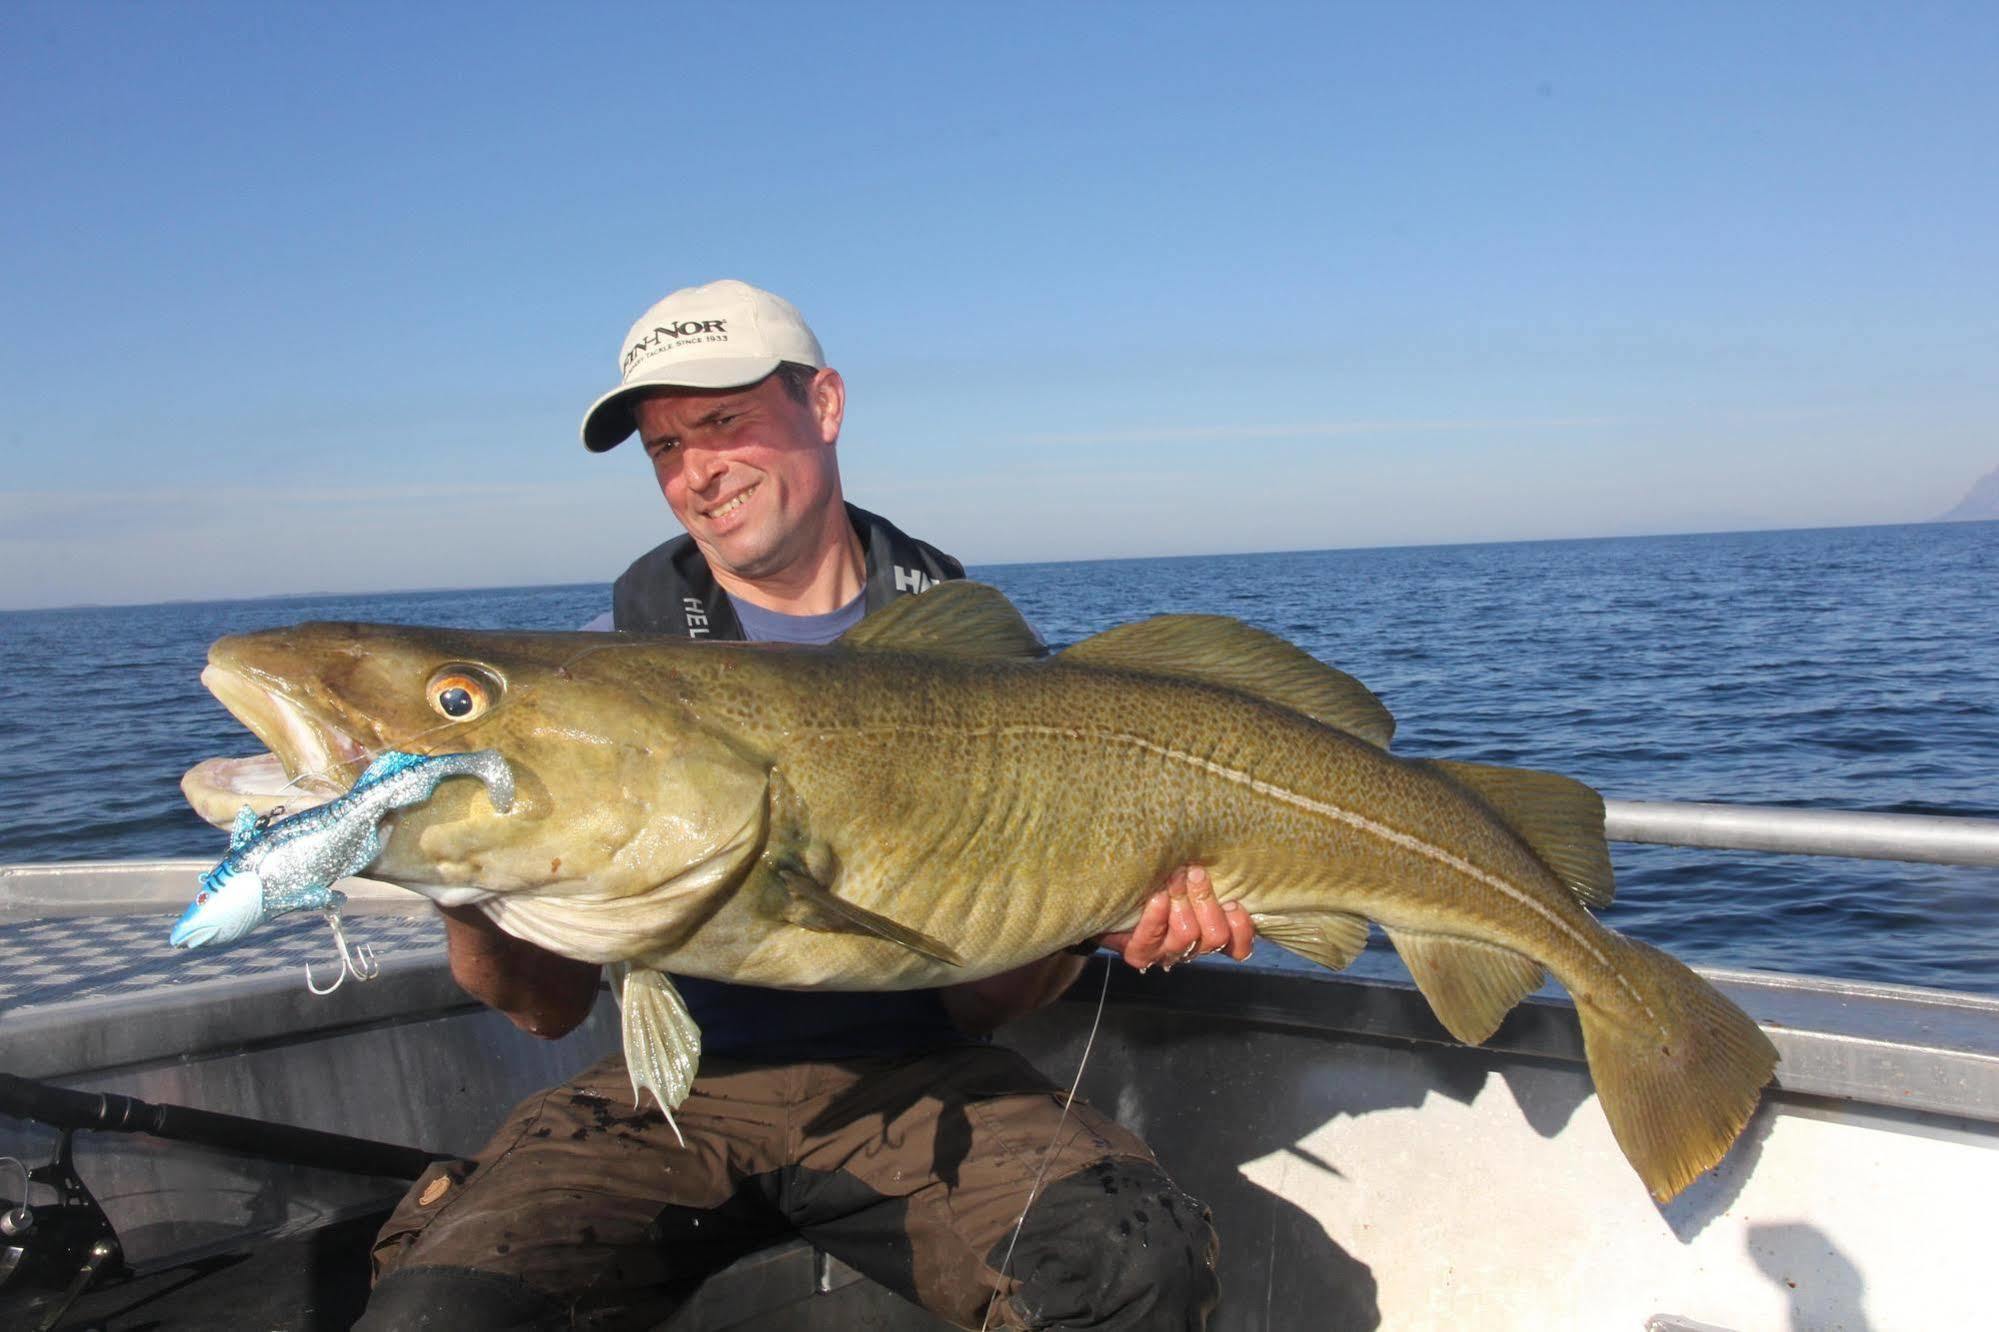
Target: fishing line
[(1048, 1154), (27, 1180)]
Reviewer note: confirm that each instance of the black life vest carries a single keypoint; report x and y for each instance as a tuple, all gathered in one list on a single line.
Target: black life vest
[(669, 589)]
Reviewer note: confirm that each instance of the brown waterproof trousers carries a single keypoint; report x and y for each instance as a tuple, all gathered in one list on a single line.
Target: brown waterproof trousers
[(911, 1169)]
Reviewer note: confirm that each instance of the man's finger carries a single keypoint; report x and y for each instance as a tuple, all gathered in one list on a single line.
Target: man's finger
[(1242, 931), (1211, 922), (1183, 930), (1147, 941)]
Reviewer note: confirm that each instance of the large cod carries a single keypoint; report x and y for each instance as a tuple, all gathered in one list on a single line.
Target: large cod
[(934, 799)]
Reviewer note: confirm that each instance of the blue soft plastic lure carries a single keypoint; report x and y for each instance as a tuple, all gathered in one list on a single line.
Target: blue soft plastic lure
[(292, 864)]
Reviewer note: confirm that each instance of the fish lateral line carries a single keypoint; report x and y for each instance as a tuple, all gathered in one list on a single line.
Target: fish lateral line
[(1298, 800)]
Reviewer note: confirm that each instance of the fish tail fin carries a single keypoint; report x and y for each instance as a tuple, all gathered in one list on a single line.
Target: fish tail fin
[(1679, 1085)]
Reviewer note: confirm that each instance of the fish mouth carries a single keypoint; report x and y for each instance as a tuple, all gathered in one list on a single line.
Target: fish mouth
[(313, 757)]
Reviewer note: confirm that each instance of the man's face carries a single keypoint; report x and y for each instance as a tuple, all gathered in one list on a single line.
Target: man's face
[(751, 473)]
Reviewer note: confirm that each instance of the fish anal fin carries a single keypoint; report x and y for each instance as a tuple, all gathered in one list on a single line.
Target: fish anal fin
[(1215, 649), (662, 1041), (953, 619), (1559, 818), (1333, 939), (1470, 985)]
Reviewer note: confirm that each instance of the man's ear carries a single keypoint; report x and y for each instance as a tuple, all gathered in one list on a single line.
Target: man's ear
[(828, 401)]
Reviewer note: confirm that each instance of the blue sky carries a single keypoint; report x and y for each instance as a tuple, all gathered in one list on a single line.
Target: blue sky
[(301, 298)]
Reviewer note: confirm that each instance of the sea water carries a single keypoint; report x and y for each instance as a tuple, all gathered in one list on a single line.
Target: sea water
[(1850, 668)]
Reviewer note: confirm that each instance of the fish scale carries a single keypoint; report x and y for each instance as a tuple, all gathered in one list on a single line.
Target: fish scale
[(1119, 822)]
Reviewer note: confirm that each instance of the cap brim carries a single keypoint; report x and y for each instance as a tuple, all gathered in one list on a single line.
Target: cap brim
[(609, 421)]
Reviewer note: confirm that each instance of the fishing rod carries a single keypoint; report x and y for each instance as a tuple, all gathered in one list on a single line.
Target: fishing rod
[(108, 1112), (69, 1245)]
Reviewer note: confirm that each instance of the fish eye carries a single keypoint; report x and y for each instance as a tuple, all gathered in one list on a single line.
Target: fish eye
[(460, 693)]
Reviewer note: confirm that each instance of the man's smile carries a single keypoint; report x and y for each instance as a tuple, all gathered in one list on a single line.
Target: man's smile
[(730, 505)]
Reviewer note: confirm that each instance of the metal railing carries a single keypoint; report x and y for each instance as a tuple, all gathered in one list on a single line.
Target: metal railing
[(1930, 838)]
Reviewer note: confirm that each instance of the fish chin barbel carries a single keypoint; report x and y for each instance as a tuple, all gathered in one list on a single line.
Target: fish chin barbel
[(291, 864)]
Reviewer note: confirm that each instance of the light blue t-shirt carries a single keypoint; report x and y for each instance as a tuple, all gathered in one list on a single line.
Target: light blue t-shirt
[(769, 626)]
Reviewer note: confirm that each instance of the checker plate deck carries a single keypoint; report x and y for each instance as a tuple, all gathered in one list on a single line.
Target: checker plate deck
[(65, 959)]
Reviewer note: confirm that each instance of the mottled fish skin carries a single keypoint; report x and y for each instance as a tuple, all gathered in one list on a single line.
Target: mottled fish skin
[(291, 864), (931, 801)]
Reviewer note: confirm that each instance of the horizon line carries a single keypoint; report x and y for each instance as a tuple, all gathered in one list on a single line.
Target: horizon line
[(997, 564), (1309, 430)]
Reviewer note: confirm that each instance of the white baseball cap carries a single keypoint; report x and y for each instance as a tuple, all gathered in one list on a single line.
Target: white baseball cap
[(724, 335)]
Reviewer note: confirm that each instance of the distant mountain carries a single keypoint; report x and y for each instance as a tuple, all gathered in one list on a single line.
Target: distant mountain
[(1980, 503)]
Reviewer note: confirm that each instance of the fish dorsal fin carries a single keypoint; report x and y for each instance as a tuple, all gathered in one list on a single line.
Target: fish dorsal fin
[(1559, 818), (1215, 649), (953, 619), (1470, 984), (244, 830)]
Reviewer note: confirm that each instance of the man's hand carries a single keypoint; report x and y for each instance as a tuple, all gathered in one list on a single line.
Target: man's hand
[(542, 993), (1182, 921)]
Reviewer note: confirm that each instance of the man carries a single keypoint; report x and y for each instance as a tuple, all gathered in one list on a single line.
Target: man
[(876, 1124)]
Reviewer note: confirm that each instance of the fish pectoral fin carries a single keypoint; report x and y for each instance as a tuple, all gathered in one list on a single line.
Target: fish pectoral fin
[(662, 1040), (1470, 985), (1215, 649), (952, 619), (1559, 818), (791, 875), (1330, 938), (809, 904)]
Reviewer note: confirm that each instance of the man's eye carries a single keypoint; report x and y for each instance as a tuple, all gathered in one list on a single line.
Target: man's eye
[(660, 446)]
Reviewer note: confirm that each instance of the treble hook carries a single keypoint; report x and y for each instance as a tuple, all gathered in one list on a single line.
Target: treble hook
[(359, 962)]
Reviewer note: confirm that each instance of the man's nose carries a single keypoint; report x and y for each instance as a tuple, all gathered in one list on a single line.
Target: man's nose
[(699, 466)]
